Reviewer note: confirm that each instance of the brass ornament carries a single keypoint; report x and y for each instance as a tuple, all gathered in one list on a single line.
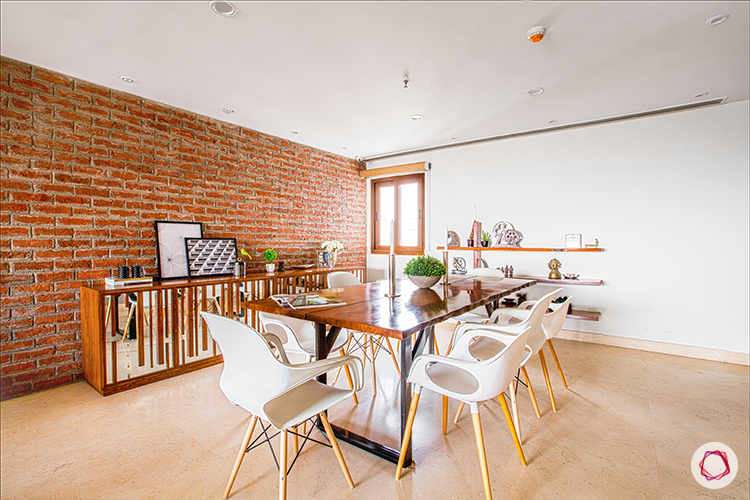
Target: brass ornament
[(554, 266)]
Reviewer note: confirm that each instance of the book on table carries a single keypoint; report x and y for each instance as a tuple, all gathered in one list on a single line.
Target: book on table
[(117, 282), (307, 300)]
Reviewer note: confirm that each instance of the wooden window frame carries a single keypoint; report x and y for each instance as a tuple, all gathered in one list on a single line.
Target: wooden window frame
[(396, 181)]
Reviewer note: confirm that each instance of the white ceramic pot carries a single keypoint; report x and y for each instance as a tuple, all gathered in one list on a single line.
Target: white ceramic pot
[(270, 268), (424, 281)]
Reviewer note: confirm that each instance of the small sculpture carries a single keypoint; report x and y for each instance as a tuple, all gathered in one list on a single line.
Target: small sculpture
[(506, 235), (554, 266), (593, 245), (459, 265)]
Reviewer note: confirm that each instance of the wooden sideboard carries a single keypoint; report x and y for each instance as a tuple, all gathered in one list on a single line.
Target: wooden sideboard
[(138, 334)]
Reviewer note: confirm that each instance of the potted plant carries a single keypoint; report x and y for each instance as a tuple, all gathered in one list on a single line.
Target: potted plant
[(269, 255), (424, 270), (485, 238)]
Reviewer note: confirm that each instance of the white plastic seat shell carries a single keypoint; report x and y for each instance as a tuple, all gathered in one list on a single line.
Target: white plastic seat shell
[(274, 390)]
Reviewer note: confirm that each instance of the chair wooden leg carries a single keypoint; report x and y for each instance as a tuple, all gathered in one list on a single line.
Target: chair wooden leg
[(393, 356), (282, 465), (445, 415), (349, 378), (531, 392), (458, 413), (557, 362), (482, 454), (450, 342), (346, 349), (547, 380), (336, 449), (514, 406), (295, 440), (407, 433), (241, 455), (506, 412), (372, 365)]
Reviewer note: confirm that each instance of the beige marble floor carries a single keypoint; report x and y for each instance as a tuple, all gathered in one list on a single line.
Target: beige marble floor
[(626, 428)]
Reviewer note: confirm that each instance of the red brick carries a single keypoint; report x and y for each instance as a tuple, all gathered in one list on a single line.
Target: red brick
[(37, 374), (54, 78), (17, 367), (33, 353), (50, 383), (55, 360)]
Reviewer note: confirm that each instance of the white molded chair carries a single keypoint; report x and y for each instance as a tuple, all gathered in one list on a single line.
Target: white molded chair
[(298, 336), (283, 394), (472, 382), (485, 348), (340, 279)]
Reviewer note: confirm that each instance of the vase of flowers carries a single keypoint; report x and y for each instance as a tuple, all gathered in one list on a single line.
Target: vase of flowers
[(270, 256), (333, 247)]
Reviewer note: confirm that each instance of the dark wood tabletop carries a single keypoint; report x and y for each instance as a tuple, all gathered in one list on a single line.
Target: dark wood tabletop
[(367, 309)]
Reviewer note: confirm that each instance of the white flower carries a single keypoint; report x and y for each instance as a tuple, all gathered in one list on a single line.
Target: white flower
[(332, 246)]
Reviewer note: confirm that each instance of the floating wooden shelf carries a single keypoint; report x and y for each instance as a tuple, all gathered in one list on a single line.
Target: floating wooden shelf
[(522, 249), (584, 315), (579, 281)]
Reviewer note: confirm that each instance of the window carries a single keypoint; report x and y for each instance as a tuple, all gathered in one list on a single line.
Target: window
[(401, 200)]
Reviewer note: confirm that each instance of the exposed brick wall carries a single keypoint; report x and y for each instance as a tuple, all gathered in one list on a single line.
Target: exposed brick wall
[(85, 170)]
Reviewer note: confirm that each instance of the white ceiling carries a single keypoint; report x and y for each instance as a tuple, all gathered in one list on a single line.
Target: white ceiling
[(333, 71)]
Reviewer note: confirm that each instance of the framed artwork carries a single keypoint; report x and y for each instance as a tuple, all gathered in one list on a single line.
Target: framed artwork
[(210, 256), (573, 241), (171, 259)]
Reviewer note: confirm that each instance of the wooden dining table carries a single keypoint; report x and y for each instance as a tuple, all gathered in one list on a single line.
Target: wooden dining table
[(414, 312)]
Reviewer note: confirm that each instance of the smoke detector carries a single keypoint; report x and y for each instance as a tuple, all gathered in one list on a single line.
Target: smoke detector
[(536, 33)]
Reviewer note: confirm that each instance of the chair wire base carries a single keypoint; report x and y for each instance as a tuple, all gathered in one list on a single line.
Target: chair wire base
[(306, 437)]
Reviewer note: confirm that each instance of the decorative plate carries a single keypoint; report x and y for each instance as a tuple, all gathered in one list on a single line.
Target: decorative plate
[(453, 239)]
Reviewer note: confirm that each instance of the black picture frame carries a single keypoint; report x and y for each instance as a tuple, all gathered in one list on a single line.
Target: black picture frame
[(210, 256), (171, 259)]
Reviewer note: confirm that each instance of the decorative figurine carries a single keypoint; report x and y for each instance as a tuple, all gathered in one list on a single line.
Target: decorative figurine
[(459, 265), (506, 235), (593, 245), (554, 266)]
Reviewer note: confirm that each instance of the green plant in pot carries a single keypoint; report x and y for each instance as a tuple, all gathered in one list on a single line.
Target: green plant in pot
[(424, 270), (269, 255), (485, 238)]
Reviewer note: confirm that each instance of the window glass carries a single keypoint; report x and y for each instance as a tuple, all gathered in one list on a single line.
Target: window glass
[(399, 199)]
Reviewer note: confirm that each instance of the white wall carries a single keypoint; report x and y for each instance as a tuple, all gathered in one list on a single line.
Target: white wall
[(666, 196)]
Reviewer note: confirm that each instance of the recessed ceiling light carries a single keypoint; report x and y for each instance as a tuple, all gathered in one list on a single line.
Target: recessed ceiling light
[(344, 147), (535, 91), (717, 19), (225, 9), (227, 111), (417, 117), (127, 79), (294, 132), (700, 94), (554, 120)]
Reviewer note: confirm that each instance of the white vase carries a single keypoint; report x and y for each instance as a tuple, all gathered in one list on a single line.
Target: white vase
[(333, 258), (270, 268)]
